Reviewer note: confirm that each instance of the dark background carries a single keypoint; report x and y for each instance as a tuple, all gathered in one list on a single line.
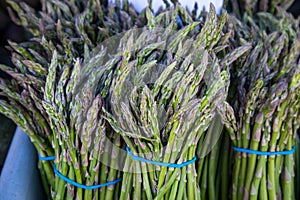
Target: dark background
[(295, 8), (8, 30)]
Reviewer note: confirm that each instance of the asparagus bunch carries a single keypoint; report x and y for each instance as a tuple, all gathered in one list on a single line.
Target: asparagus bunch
[(75, 105), (266, 110), (71, 29), (164, 94)]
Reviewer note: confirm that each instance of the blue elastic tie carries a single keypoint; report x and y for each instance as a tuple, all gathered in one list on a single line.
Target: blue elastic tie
[(83, 186), (160, 163), (46, 158), (179, 21), (261, 153)]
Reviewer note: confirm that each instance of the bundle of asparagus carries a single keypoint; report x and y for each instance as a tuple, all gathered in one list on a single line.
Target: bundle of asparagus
[(75, 107), (162, 118), (70, 29), (267, 105)]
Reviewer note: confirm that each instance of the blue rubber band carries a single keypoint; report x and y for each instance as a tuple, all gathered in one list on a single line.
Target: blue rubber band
[(179, 21), (84, 186), (261, 153), (160, 163), (46, 158)]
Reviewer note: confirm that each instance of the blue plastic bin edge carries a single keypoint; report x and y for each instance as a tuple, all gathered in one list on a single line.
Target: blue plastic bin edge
[(20, 178)]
